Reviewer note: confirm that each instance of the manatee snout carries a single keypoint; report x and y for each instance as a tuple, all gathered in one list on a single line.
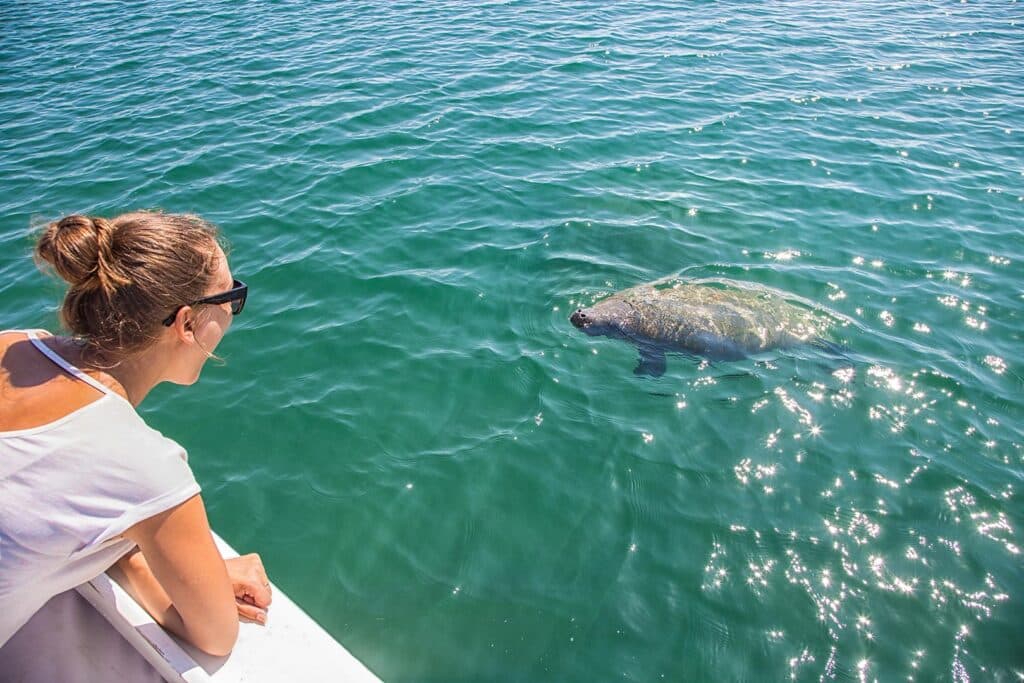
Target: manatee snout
[(579, 318), (609, 317)]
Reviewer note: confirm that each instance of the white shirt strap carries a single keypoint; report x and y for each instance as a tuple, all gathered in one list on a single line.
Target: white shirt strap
[(71, 369)]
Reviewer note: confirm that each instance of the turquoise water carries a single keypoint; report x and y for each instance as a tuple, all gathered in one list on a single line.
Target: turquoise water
[(444, 473)]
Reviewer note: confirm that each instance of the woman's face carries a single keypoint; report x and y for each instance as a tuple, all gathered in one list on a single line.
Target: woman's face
[(209, 323)]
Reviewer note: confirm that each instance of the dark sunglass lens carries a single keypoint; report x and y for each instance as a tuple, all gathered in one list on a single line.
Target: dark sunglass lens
[(237, 305)]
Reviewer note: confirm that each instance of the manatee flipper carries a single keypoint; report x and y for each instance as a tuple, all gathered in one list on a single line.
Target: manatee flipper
[(829, 347), (652, 362), (832, 356)]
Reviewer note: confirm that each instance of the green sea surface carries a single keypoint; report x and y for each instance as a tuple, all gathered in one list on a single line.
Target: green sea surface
[(441, 470)]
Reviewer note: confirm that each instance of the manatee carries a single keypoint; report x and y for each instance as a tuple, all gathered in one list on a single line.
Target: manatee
[(716, 319)]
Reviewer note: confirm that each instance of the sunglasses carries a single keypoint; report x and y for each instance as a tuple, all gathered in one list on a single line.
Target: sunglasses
[(236, 295)]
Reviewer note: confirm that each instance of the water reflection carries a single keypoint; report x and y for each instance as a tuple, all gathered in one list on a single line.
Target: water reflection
[(866, 556)]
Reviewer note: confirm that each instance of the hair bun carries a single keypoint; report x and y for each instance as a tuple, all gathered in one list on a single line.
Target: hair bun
[(80, 250)]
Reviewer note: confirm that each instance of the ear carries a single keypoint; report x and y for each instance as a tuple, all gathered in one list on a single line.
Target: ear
[(183, 325)]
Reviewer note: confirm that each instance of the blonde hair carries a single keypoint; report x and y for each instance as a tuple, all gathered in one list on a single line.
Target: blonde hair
[(127, 274)]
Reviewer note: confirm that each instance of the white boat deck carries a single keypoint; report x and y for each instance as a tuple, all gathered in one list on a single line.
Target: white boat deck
[(291, 647)]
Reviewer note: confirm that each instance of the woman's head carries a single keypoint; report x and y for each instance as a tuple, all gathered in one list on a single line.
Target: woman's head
[(127, 274)]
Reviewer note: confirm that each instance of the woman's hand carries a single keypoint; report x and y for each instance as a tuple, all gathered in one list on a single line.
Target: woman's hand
[(251, 586)]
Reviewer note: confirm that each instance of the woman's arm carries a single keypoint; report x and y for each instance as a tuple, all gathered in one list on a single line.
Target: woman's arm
[(181, 579), (248, 581), (133, 574)]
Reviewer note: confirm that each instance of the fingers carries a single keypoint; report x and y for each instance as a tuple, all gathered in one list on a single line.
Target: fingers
[(258, 594), (254, 590), (263, 594), (262, 573), (250, 613), (249, 579)]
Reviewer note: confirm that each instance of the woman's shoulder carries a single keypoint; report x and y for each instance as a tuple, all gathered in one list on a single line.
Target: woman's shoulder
[(36, 390), (8, 337)]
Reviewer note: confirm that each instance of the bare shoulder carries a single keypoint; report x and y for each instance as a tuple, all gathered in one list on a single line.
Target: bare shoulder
[(34, 391), (12, 336)]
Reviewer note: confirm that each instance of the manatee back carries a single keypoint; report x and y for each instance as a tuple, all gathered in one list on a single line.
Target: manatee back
[(713, 318)]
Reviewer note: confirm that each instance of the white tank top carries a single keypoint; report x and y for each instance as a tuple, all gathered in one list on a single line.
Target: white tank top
[(70, 488)]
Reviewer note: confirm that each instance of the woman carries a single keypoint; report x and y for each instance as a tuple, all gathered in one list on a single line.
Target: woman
[(85, 484)]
